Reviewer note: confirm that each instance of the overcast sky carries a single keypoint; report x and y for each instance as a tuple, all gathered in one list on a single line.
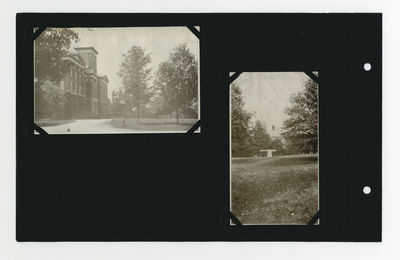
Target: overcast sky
[(267, 94), (111, 43)]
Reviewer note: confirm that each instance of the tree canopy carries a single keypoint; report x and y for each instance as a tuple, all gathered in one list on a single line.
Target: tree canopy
[(177, 81), (240, 124), (50, 46), (135, 77), (301, 129), (260, 139)]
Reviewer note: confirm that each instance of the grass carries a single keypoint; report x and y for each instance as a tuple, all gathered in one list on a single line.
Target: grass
[(278, 190), (158, 125)]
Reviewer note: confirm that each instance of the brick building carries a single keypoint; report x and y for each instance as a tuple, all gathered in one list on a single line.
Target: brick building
[(85, 89)]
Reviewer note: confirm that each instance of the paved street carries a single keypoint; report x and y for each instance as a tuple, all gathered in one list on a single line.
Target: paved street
[(86, 126)]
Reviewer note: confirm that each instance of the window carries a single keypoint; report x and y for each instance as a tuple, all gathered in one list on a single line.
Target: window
[(62, 84), (273, 128)]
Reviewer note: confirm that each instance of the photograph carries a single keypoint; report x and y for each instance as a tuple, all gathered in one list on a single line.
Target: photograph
[(116, 80), (274, 148)]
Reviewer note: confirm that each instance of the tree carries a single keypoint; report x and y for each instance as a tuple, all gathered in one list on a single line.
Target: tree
[(156, 106), (50, 101), (277, 145), (241, 143), (135, 77), (301, 129), (260, 139), (50, 46), (177, 79)]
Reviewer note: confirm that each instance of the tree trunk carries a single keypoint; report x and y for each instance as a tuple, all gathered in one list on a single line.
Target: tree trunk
[(137, 115), (137, 109), (177, 115)]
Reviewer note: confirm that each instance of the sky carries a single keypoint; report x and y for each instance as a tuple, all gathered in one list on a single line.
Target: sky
[(111, 43), (268, 93)]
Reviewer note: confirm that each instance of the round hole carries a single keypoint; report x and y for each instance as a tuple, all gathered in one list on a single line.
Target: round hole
[(367, 67), (367, 190)]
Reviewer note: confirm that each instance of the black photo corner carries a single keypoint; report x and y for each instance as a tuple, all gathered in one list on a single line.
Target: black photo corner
[(176, 186)]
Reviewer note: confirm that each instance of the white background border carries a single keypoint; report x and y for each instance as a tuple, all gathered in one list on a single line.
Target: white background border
[(10, 249)]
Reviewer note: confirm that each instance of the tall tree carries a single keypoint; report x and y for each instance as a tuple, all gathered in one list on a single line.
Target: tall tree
[(50, 46), (177, 79), (241, 143), (301, 129), (277, 145), (50, 101), (260, 138), (135, 77)]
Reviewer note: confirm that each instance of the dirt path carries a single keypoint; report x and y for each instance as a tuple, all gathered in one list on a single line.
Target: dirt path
[(86, 126)]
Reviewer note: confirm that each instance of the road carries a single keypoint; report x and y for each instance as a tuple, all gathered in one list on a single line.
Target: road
[(86, 126)]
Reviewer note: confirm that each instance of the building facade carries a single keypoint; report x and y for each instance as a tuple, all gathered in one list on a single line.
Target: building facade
[(85, 89)]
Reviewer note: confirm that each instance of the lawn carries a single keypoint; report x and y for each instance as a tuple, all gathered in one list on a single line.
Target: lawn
[(157, 125), (278, 190)]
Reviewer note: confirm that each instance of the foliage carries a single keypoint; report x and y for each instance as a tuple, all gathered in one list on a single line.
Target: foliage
[(177, 80), (240, 124), (135, 77), (50, 46), (50, 101), (75, 107), (260, 139), (156, 106), (118, 110), (278, 145), (191, 110), (105, 109), (301, 129)]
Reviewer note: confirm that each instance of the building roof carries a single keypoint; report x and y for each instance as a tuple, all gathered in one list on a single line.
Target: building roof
[(76, 58), (86, 49), (103, 77)]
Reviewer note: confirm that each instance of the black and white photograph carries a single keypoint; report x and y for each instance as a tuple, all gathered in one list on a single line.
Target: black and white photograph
[(116, 80), (289, 148), (274, 148)]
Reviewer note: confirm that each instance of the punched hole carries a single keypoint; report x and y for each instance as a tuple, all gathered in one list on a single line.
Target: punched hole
[(367, 67), (367, 190)]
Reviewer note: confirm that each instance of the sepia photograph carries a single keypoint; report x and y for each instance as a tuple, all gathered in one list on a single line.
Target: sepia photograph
[(274, 148), (116, 80)]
